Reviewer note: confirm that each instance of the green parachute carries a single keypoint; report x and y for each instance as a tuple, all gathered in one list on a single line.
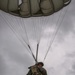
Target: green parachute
[(29, 8), (32, 29)]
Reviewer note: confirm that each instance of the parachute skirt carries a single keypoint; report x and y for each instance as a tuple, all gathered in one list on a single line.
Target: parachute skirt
[(30, 8)]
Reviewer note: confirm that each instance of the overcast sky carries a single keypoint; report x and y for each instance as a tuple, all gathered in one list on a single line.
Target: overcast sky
[(15, 32)]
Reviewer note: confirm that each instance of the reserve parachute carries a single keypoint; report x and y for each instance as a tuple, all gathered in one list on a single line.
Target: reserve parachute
[(29, 8)]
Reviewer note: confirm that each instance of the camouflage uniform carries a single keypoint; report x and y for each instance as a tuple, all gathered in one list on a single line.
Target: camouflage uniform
[(34, 70)]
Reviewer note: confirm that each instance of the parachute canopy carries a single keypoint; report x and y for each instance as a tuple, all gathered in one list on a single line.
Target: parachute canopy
[(29, 8)]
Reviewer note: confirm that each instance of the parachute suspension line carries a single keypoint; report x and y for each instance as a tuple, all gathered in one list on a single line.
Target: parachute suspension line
[(51, 42), (55, 33), (36, 25), (38, 31), (20, 33), (24, 28), (55, 29), (25, 32), (4, 18), (8, 23), (44, 21), (34, 28), (17, 30), (27, 39), (29, 42), (39, 36), (32, 54), (37, 21), (21, 26), (35, 32), (40, 20), (50, 36)]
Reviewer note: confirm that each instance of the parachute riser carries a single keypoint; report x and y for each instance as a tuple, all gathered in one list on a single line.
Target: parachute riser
[(37, 53)]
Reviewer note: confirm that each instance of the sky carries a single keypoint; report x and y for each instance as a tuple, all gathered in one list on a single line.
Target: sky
[(16, 33)]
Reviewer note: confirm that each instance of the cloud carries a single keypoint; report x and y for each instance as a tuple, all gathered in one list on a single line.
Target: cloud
[(3, 67)]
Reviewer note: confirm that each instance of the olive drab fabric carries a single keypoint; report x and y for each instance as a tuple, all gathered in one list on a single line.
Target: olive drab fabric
[(46, 7), (32, 7), (25, 8), (9, 5), (29, 8), (58, 4)]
